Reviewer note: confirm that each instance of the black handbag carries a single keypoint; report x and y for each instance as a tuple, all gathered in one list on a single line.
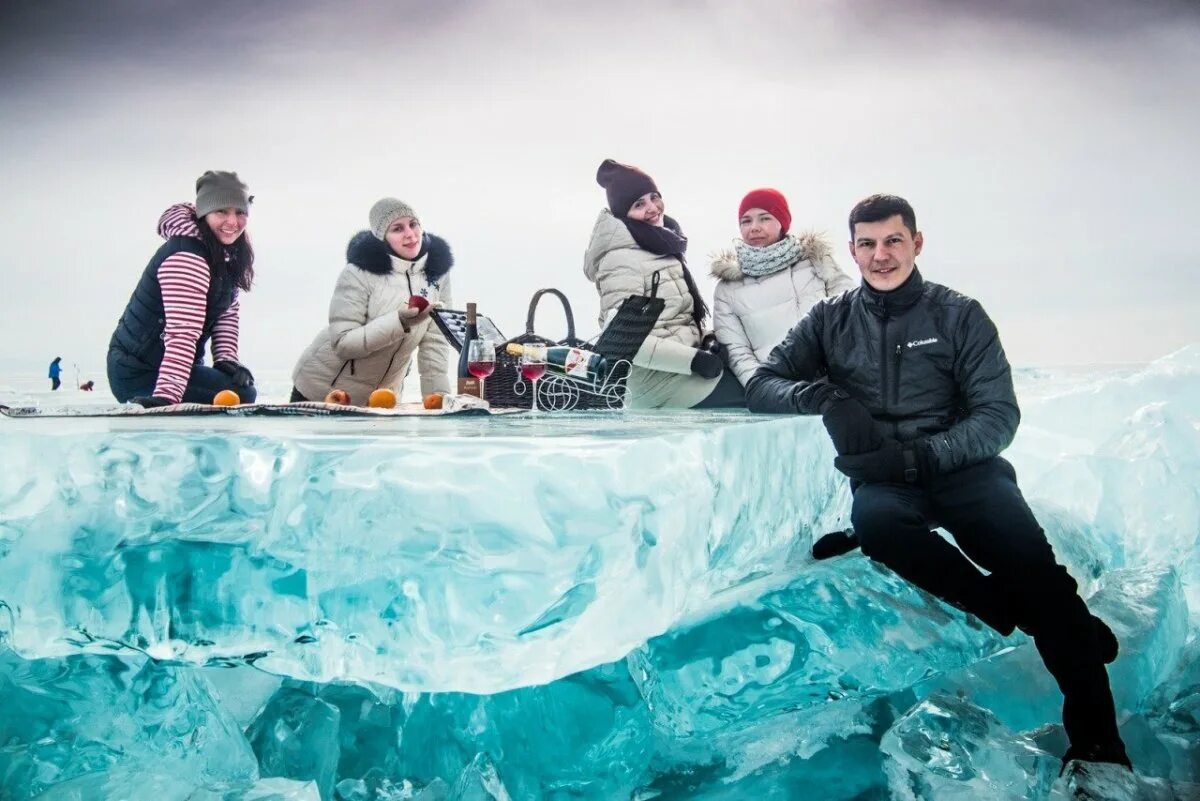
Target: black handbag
[(627, 330), (621, 339)]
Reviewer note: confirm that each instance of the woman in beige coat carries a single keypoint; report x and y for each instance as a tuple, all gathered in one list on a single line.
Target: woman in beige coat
[(633, 242), (768, 282), (379, 316)]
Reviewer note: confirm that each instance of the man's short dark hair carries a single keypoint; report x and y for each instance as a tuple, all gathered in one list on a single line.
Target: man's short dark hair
[(883, 207)]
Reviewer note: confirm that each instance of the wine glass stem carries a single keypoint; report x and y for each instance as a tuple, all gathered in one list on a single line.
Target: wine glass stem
[(534, 382)]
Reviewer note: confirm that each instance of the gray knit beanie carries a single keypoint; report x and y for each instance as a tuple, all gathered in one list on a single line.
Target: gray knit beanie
[(220, 190), (387, 211)]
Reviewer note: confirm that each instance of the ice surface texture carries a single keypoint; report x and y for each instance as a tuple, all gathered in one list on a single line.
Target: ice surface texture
[(600, 606)]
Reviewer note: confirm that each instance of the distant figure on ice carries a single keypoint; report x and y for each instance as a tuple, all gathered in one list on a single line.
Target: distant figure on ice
[(88, 386), (188, 295), (56, 373), (768, 281), (635, 247), (917, 395), (374, 330)]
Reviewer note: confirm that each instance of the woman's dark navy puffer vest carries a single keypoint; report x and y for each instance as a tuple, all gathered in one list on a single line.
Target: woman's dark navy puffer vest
[(136, 346)]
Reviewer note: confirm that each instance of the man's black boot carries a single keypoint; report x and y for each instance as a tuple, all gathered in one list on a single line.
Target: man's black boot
[(1098, 752)]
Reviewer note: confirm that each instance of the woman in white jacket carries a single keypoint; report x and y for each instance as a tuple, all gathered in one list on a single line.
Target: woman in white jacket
[(379, 316), (637, 248), (768, 281)]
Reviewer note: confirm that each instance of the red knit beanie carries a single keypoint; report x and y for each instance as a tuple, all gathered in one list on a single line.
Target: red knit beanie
[(771, 201)]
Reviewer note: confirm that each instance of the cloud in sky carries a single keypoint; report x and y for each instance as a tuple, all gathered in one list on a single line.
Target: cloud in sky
[(1048, 151)]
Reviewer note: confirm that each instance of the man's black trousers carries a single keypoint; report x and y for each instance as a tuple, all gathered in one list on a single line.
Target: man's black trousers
[(983, 509)]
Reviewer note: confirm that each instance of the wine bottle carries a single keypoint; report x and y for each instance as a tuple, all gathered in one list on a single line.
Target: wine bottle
[(467, 383), (575, 362)]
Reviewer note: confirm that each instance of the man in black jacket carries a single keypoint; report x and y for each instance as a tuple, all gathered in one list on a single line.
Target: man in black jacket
[(916, 393)]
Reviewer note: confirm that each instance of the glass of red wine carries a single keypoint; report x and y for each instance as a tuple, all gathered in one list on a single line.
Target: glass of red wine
[(533, 367), (481, 361)]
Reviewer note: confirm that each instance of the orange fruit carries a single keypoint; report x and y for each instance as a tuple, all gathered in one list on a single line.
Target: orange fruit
[(226, 397), (382, 398), (338, 396), (433, 400)]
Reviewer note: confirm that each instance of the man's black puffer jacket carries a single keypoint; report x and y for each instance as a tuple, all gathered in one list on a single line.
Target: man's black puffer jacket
[(925, 361)]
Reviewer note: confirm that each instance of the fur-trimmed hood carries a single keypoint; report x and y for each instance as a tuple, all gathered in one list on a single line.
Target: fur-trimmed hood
[(368, 253), (814, 248)]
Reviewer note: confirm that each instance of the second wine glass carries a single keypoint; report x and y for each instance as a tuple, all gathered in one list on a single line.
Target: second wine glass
[(533, 367)]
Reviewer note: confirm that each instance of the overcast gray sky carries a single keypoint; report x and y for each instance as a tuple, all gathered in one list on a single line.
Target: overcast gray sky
[(1049, 148)]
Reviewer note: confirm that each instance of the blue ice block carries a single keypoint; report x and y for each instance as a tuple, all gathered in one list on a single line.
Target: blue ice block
[(428, 555)]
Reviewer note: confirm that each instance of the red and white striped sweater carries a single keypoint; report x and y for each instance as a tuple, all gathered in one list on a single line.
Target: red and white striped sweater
[(184, 279)]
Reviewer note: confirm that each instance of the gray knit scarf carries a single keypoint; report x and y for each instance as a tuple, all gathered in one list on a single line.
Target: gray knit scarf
[(758, 262)]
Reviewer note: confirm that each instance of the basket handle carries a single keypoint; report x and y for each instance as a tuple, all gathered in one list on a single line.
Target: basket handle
[(533, 303)]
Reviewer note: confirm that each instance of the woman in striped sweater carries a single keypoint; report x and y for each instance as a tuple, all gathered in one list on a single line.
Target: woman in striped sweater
[(187, 296)]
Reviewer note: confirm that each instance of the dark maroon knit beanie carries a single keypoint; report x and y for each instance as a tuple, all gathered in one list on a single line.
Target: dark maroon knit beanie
[(623, 184)]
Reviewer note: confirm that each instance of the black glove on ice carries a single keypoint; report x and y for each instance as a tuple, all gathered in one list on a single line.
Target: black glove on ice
[(835, 543), (892, 464), (706, 365), (239, 376), (150, 401), (850, 425)]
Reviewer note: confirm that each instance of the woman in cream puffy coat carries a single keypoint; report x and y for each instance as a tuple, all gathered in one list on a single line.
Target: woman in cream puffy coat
[(379, 316), (768, 281), (632, 243)]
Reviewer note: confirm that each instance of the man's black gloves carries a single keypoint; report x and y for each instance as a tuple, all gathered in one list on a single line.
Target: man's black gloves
[(706, 365), (150, 401), (891, 464), (864, 455), (239, 376), (850, 425)]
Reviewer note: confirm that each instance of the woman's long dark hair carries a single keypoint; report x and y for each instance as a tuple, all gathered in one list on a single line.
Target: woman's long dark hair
[(699, 307), (235, 261)]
